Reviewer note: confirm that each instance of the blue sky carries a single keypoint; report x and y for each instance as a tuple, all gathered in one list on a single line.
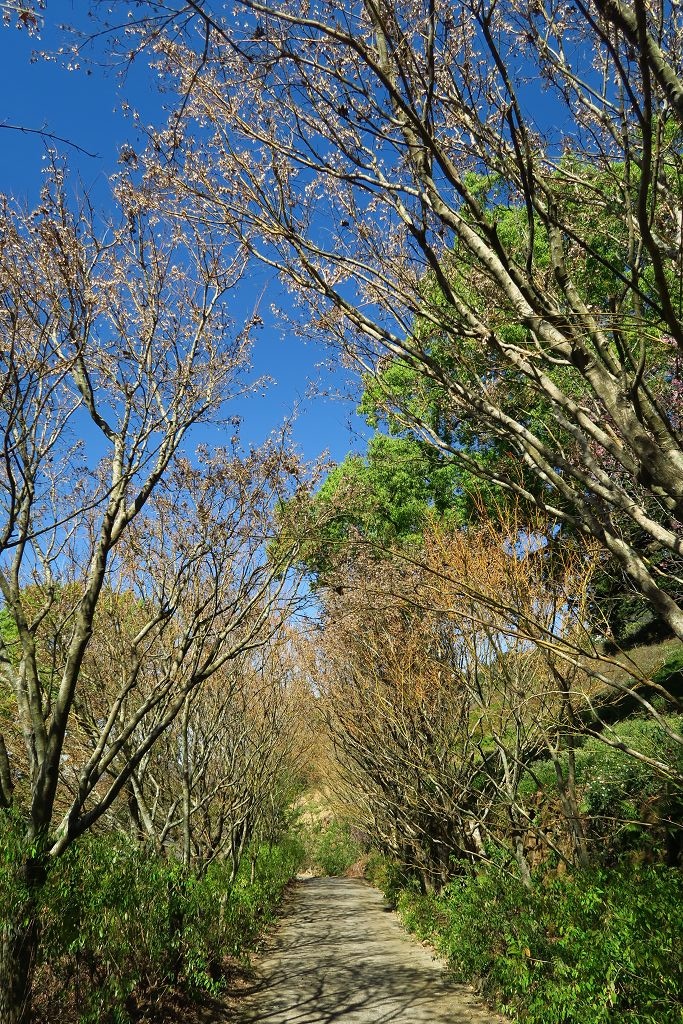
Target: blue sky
[(86, 109)]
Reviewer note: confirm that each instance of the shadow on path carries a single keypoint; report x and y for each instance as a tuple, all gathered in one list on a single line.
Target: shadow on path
[(340, 957)]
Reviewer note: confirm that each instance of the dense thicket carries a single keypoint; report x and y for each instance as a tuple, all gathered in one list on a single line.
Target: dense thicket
[(127, 932)]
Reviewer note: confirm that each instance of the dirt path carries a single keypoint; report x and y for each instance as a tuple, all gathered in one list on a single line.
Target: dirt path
[(341, 956)]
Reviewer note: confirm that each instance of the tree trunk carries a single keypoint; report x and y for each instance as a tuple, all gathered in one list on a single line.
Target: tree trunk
[(522, 862), (176, 925), (18, 947), (19, 937)]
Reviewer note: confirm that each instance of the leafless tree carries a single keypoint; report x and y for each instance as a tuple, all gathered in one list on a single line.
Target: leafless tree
[(224, 773), (449, 674), (117, 340), (487, 193)]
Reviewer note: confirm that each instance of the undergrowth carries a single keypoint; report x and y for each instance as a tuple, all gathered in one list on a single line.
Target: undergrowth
[(121, 924), (331, 847), (595, 947)]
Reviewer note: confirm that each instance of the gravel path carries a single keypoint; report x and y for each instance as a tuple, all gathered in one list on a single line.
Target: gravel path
[(341, 956)]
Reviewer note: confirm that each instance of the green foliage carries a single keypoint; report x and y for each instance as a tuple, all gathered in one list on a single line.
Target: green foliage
[(598, 947), (388, 875), (671, 672), (222, 918), (13, 852), (106, 918), (384, 498), (625, 803), (331, 847), (595, 760), (120, 923), (8, 629), (401, 388)]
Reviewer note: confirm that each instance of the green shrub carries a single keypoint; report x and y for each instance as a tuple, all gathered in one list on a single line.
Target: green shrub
[(670, 674), (625, 803), (388, 876), (107, 924), (421, 913), (598, 947), (331, 847), (120, 922)]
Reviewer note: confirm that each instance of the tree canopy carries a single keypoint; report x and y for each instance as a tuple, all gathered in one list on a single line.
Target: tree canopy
[(489, 194)]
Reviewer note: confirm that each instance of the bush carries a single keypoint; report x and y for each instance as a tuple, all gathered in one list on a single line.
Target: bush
[(106, 925), (222, 919), (119, 923), (331, 847), (670, 674), (388, 875), (598, 947), (625, 804)]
